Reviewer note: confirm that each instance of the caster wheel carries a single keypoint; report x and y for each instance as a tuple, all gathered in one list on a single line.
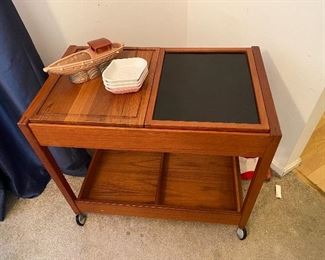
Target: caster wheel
[(241, 233), (81, 219)]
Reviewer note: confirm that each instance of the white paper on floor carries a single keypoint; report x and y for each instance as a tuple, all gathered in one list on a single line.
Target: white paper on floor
[(278, 191)]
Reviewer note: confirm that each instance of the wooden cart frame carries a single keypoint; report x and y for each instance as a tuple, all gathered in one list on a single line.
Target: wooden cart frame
[(158, 148)]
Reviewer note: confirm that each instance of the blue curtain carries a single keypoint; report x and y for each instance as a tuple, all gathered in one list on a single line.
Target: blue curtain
[(21, 76)]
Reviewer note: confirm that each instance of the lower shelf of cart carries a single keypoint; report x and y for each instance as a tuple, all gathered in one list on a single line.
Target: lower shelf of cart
[(162, 185), (160, 211)]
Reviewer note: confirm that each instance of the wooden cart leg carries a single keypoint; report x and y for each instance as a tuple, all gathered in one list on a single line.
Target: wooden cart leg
[(50, 165), (262, 168), (269, 175)]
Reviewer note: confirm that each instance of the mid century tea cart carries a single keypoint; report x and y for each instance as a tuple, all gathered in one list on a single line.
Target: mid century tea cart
[(170, 150)]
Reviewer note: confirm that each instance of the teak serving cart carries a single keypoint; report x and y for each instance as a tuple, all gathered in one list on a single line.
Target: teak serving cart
[(170, 150)]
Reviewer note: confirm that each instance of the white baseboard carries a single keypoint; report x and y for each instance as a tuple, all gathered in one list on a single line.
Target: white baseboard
[(281, 171)]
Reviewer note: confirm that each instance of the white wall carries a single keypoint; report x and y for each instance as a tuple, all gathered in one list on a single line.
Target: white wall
[(54, 24), (290, 34)]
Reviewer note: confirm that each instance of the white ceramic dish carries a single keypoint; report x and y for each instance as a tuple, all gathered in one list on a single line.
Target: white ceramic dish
[(124, 70), (129, 83), (124, 90)]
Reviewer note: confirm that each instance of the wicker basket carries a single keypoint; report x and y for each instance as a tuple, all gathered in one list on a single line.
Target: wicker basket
[(86, 64)]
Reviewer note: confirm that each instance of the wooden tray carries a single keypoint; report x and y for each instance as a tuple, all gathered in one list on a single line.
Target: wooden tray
[(90, 104), (176, 180), (207, 89)]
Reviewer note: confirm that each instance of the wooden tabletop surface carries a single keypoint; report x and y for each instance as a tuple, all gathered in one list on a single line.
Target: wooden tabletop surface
[(62, 102), (90, 103)]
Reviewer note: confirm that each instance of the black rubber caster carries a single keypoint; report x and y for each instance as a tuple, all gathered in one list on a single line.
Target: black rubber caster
[(241, 233), (81, 219)]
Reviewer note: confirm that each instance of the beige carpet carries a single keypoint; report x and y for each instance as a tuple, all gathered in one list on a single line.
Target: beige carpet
[(44, 228)]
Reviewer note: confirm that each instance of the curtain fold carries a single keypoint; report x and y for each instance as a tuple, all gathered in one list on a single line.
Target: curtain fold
[(21, 77)]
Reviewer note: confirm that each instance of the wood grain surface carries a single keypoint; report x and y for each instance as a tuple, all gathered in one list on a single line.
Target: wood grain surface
[(160, 211), (123, 177), (199, 181), (272, 117), (90, 103), (126, 182), (154, 171), (152, 140), (262, 126), (49, 164), (188, 181)]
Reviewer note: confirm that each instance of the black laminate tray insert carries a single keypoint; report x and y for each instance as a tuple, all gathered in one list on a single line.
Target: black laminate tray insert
[(206, 87)]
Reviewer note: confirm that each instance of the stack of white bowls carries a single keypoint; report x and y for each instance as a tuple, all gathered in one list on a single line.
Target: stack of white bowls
[(125, 75)]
